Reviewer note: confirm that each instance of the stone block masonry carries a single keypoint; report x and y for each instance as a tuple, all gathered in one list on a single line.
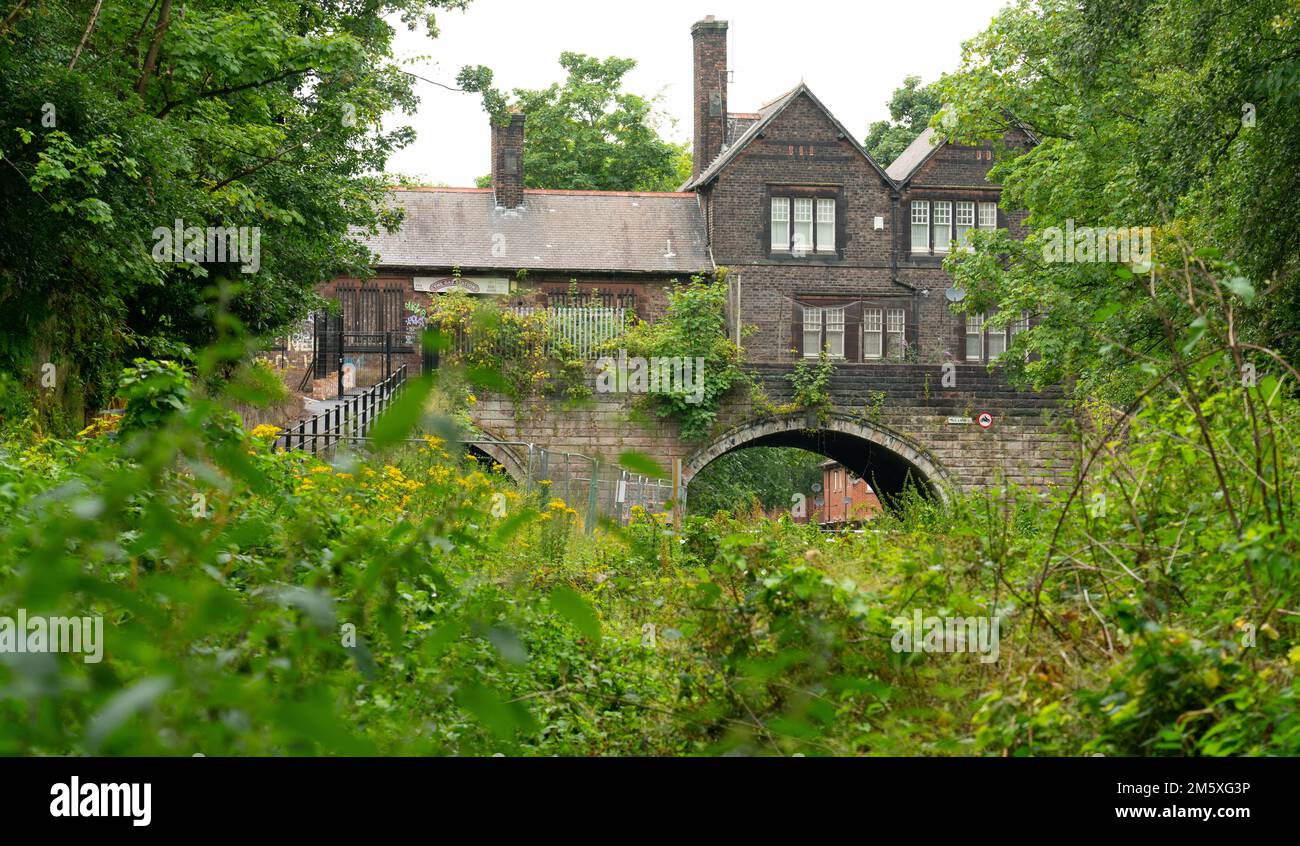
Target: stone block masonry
[(884, 419)]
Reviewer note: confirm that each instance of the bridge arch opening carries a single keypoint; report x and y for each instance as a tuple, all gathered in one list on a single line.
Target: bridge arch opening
[(891, 463)]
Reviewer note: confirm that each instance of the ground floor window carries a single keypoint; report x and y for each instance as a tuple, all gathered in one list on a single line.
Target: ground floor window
[(857, 329)]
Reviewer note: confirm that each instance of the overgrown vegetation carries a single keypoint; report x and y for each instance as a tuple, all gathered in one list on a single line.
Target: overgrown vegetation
[(518, 354), (693, 327), (762, 478), (121, 122), (408, 602)]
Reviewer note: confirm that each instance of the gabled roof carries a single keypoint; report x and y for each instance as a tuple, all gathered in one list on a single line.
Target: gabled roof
[(768, 113), (917, 153), (578, 231), (926, 145)]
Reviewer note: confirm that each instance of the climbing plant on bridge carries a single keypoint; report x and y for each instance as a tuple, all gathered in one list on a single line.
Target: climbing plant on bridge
[(515, 353), (693, 327)]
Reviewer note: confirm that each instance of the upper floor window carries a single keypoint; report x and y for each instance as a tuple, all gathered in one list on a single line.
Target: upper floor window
[(920, 226), (942, 226), (780, 223), (803, 224), (988, 215), (936, 224), (965, 222), (825, 226)]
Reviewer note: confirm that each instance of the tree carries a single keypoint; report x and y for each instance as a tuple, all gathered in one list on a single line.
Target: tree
[(588, 134), (910, 109), (128, 119), (1179, 117), (764, 476)]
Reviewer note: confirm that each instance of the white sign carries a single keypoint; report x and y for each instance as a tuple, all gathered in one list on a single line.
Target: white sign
[(956, 420), (469, 284)]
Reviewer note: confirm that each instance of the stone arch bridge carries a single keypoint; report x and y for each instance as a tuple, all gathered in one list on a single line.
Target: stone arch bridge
[(891, 424)]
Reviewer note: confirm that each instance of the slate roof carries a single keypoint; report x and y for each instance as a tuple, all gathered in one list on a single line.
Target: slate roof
[(768, 113), (921, 148), (582, 231)]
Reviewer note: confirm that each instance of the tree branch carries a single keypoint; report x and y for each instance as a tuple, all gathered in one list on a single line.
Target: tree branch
[(85, 36), (155, 46), (231, 89), (13, 16)]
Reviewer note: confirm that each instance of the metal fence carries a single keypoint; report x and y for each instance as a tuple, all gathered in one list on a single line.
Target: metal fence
[(585, 331), (605, 490), (350, 418)]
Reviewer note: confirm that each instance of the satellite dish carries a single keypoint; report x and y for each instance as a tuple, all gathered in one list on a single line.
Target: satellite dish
[(954, 295)]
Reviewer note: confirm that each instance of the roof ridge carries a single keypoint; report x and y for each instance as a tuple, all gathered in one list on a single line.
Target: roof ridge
[(542, 191)]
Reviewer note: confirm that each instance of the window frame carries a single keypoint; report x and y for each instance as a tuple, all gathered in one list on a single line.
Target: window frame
[(827, 331), (873, 323), (818, 311), (773, 204), (1007, 334), (859, 324), (979, 215), (922, 206), (963, 243), (974, 321), (819, 199), (820, 203), (895, 349), (935, 224)]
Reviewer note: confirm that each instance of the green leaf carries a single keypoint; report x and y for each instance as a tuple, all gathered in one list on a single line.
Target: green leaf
[(498, 716), (569, 605), (1241, 286), (1104, 313), (401, 417), (639, 462), (122, 706), (1197, 327)]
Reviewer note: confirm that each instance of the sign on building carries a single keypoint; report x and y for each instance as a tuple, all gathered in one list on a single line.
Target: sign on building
[(469, 284)]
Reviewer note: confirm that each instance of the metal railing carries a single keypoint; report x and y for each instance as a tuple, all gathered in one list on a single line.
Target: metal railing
[(349, 419), (584, 331)]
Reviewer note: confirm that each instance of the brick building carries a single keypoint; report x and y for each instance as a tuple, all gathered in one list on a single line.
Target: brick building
[(826, 248), (845, 497)]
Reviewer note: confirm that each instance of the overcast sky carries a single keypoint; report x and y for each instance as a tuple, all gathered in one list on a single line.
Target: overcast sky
[(851, 54)]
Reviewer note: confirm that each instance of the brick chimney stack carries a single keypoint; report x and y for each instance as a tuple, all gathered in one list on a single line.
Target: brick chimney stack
[(508, 162), (710, 37)]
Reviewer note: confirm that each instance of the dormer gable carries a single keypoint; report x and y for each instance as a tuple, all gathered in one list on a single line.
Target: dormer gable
[(769, 119)]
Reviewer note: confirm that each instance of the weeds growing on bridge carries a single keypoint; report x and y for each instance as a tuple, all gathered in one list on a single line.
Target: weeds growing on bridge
[(261, 603)]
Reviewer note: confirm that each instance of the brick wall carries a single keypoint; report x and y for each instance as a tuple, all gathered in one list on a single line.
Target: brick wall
[(1029, 442), (709, 42)]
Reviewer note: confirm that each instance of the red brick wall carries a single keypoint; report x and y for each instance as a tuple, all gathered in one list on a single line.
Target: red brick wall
[(846, 497)]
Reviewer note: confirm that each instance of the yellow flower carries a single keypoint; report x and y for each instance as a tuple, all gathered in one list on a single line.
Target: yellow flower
[(265, 431)]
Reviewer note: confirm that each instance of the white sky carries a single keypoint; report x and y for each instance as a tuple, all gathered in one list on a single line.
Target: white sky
[(851, 54)]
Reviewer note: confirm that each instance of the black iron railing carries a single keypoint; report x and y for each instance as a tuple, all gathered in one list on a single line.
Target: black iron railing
[(350, 418)]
